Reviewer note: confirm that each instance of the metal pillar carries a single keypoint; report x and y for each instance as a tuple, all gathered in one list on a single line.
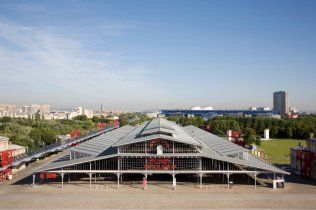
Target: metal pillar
[(62, 180), (255, 174), (95, 178), (174, 181), (68, 178), (33, 185), (118, 180), (228, 180), (201, 175), (90, 176)]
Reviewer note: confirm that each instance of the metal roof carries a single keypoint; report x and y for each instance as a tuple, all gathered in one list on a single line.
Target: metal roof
[(217, 143), (102, 143), (176, 133), (65, 161), (159, 124), (212, 146)]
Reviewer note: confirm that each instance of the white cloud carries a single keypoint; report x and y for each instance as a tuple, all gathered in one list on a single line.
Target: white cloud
[(59, 69)]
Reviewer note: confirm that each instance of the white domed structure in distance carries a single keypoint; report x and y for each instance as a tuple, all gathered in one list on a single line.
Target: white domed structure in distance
[(208, 108), (196, 108)]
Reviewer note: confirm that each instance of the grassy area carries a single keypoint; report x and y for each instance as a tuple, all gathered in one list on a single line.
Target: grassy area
[(278, 150)]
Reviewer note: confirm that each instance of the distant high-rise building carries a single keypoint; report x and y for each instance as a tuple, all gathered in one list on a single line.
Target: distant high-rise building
[(88, 113), (26, 109), (281, 102), (44, 108), (8, 108), (79, 110), (35, 108)]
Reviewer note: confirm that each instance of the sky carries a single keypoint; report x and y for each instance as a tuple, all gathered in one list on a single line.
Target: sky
[(140, 55)]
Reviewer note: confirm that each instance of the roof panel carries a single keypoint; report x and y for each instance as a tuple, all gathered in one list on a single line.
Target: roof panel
[(100, 144), (178, 134)]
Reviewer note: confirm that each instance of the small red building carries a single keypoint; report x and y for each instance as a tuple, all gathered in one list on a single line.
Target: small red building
[(303, 159)]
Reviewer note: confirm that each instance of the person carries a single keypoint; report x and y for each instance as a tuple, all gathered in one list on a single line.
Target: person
[(144, 183)]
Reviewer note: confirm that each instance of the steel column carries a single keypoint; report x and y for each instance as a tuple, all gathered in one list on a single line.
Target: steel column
[(33, 185), (90, 176), (255, 174), (62, 180), (228, 180)]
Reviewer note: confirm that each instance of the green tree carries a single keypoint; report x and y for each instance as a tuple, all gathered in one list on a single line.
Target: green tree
[(36, 135), (5, 119), (250, 136), (81, 118), (37, 115)]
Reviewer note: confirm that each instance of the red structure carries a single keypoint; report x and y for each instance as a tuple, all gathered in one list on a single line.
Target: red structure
[(116, 123), (159, 164), (236, 134), (207, 128), (101, 126), (235, 137), (306, 159), (239, 142), (75, 133), (6, 159), (44, 176)]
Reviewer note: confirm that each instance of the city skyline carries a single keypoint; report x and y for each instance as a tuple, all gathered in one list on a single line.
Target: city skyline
[(102, 108), (141, 55)]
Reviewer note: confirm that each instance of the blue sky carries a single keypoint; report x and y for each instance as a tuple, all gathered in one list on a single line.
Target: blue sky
[(138, 55)]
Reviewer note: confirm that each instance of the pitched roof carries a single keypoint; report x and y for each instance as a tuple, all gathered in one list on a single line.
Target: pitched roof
[(158, 128), (104, 146)]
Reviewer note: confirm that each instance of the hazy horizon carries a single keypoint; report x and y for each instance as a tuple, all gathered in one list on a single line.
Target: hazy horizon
[(143, 55)]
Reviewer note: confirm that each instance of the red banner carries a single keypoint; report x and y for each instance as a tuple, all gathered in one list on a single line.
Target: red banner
[(159, 164)]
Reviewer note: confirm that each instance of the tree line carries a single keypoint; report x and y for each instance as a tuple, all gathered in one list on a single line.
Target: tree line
[(285, 128), (132, 118), (35, 133)]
